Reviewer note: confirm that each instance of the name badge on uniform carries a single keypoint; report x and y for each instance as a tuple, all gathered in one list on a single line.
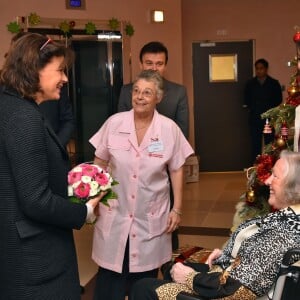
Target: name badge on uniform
[(155, 146)]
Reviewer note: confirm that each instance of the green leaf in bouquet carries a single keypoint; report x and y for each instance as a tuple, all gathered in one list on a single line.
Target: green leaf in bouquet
[(110, 195), (115, 182), (74, 199)]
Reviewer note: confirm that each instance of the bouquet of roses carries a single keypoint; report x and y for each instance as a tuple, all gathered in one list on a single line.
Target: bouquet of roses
[(86, 181)]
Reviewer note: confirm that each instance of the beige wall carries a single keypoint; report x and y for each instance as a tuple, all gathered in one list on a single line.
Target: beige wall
[(271, 23)]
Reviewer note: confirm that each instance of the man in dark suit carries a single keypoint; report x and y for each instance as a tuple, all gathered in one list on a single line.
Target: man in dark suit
[(174, 105), (60, 116), (262, 93)]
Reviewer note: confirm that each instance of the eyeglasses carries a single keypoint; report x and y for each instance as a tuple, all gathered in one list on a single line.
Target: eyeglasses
[(45, 44), (146, 93)]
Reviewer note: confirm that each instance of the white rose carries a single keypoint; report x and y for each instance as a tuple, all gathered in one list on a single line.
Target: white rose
[(70, 191), (76, 184), (94, 188), (105, 187), (77, 169), (86, 179)]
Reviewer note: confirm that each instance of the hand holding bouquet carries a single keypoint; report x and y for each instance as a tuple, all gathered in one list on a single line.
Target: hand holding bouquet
[(86, 181)]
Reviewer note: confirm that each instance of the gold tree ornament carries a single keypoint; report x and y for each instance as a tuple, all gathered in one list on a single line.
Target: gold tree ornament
[(293, 89), (280, 143), (250, 196)]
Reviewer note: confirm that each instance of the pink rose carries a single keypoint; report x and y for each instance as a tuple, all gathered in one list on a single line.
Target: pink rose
[(74, 177), (82, 190), (89, 170), (101, 178)]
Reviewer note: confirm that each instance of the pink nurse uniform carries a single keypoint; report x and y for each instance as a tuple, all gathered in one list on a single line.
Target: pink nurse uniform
[(141, 211)]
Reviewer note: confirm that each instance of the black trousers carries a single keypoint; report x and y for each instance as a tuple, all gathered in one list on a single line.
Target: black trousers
[(111, 285), (145, 288)]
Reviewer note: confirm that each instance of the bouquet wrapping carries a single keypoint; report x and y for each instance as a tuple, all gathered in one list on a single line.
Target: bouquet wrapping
[(86, 181)]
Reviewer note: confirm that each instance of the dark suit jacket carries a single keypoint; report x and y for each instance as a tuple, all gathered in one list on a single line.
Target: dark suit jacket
[(261, 97), (37, 252), (59, 113), (174, 104)]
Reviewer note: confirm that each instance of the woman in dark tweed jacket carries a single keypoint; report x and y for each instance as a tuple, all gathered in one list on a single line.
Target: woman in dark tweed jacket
[(37, 251)]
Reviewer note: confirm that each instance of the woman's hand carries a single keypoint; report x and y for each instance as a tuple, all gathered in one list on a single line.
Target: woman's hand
[(214, 255), (173, 220), (179, 272), (94, 202)]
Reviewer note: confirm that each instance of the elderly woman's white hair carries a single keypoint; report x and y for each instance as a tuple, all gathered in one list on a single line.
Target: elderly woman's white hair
[(292, 176), (153, 76)]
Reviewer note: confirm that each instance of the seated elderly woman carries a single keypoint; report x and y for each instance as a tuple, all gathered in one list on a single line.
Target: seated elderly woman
[(248, 265)]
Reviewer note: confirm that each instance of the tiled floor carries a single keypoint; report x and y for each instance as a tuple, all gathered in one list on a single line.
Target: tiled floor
[(209, 206)]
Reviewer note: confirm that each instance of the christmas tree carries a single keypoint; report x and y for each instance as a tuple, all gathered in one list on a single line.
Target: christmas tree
[(284, 121)]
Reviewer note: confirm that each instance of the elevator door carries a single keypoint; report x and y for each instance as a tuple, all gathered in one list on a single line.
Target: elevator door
[(95, 83)]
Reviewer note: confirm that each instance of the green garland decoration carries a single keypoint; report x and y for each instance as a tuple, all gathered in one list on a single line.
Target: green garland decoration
[(13, 27), (90, 28), (34, 19), (113, 23), (129, 30), (65, 28)]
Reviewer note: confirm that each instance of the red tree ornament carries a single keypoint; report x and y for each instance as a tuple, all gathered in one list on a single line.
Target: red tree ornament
[(284, 131), (296, 37)]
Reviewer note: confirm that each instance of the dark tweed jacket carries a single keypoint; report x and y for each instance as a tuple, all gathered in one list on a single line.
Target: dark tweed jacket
[(37, 252)]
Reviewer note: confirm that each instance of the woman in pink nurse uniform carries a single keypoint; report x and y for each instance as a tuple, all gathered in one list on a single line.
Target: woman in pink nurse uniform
[(132, 237)]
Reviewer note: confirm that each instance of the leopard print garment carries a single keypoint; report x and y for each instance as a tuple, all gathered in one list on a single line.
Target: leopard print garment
[(261, 254), (169, 291)]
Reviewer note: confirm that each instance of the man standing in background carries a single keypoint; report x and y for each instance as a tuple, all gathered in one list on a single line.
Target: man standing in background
[(59, 114), (262, 93), (174, 105)]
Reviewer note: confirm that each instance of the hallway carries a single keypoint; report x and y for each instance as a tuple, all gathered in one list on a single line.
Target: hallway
[(208, 210)]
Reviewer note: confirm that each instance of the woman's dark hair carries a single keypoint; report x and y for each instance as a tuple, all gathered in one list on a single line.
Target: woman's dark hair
[(26, 56)]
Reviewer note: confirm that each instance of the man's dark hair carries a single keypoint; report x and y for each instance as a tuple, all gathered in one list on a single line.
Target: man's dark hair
[(263, 62), (154, 47)]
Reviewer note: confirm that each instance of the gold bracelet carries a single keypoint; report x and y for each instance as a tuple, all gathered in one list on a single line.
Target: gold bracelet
[(177, 212)]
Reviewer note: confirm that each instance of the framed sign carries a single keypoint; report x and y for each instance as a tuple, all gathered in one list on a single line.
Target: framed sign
[(75, 4), (222, 67)]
